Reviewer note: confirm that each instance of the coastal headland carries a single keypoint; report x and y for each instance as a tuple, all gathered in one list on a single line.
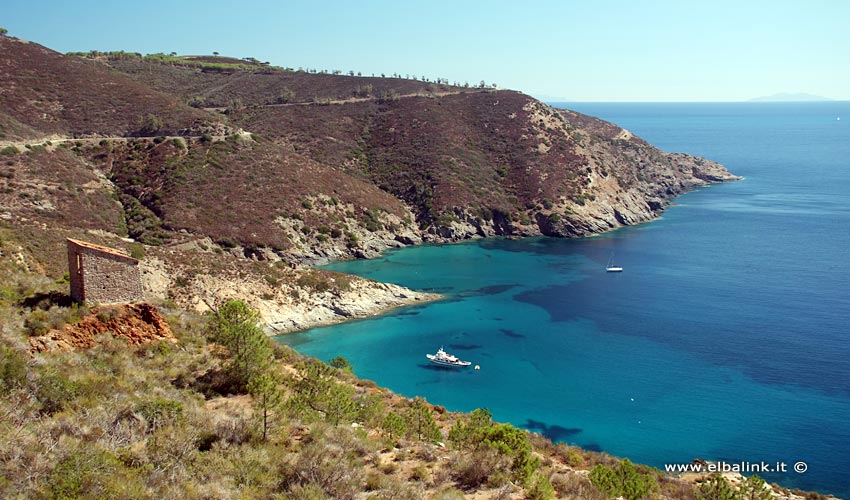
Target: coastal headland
[(235, 178), (230, 179)]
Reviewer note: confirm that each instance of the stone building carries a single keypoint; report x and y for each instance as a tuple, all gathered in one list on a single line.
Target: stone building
[(102, 275)]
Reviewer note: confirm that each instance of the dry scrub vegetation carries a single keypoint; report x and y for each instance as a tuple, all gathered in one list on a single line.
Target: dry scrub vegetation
[(226, 413)]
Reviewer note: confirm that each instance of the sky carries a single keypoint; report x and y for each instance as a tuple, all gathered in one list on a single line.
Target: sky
[(585, 50)]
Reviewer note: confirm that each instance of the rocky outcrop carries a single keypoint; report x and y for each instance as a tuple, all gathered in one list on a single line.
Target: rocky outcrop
[(137, 324), (287, 299), (363, 298)]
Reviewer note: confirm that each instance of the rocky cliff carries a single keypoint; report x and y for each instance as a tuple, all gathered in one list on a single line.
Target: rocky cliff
[(231, 173)]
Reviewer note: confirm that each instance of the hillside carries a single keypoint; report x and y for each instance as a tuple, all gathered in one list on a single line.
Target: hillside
[(467, 162), (147, 402), (228, 179), (106, 146), (221, 82), (43, 92)]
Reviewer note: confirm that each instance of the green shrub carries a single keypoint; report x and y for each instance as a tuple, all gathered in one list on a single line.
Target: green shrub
[(88, 472), (37, 323), (754, 488), (324, 467), (466, 432), (228, 242), (54, 391), (159, 412), (315, 280), (9, 151), (372, 221), (196, 102), (286, 95), (306, 492), (420, 473), (340, 363), (351, 239), (13, 369), (483, 466), (513, 443), (137, 251), (477, 431), (142, 223), (149, 125), (540, 488), (578, 486), (716, 487), (40, 321), (624, 480)]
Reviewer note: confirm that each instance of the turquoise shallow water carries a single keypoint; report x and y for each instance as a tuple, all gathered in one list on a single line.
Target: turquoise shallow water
[(725, 337)]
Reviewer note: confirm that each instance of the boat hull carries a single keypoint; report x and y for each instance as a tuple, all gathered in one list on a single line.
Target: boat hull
[(450, 364)]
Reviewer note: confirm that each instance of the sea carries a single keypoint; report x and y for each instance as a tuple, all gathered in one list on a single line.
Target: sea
[(726, 337)]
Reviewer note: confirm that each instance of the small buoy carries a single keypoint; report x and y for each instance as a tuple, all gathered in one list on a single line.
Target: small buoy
[(632, 399), (477, 367)]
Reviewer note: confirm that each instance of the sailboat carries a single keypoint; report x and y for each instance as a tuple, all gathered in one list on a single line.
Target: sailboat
[(611, 268)]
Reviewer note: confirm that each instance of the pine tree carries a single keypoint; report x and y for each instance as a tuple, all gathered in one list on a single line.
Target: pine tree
[(267, 398), (754, 488), (420, 421), (716, 488), (236, 327), (625, 480)]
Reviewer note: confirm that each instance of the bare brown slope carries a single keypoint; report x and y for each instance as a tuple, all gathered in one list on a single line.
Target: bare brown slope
[(45, 91), (467, 161), (241, 192), (337, 180), (261, 85), (490, 162)]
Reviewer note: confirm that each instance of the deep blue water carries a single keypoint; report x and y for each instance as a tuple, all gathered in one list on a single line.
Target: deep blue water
[(725, 338)]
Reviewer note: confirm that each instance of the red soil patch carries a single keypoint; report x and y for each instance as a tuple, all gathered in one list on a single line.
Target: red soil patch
[(137, 324)]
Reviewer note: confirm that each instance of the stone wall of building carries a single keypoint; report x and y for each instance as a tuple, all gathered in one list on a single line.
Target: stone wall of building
[(102, 275)]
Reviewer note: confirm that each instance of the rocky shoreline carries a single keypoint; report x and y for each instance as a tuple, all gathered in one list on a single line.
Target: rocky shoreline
[(302, 297), (293, 300)]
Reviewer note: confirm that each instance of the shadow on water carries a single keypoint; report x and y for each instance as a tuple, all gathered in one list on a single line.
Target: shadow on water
[(444, 369), (465, 347), (488, 290), (494, 289), (512, 334), (554, 432), (561, 302)]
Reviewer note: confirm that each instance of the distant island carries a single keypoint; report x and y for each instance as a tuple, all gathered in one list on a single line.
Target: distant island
[(790, 97)]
